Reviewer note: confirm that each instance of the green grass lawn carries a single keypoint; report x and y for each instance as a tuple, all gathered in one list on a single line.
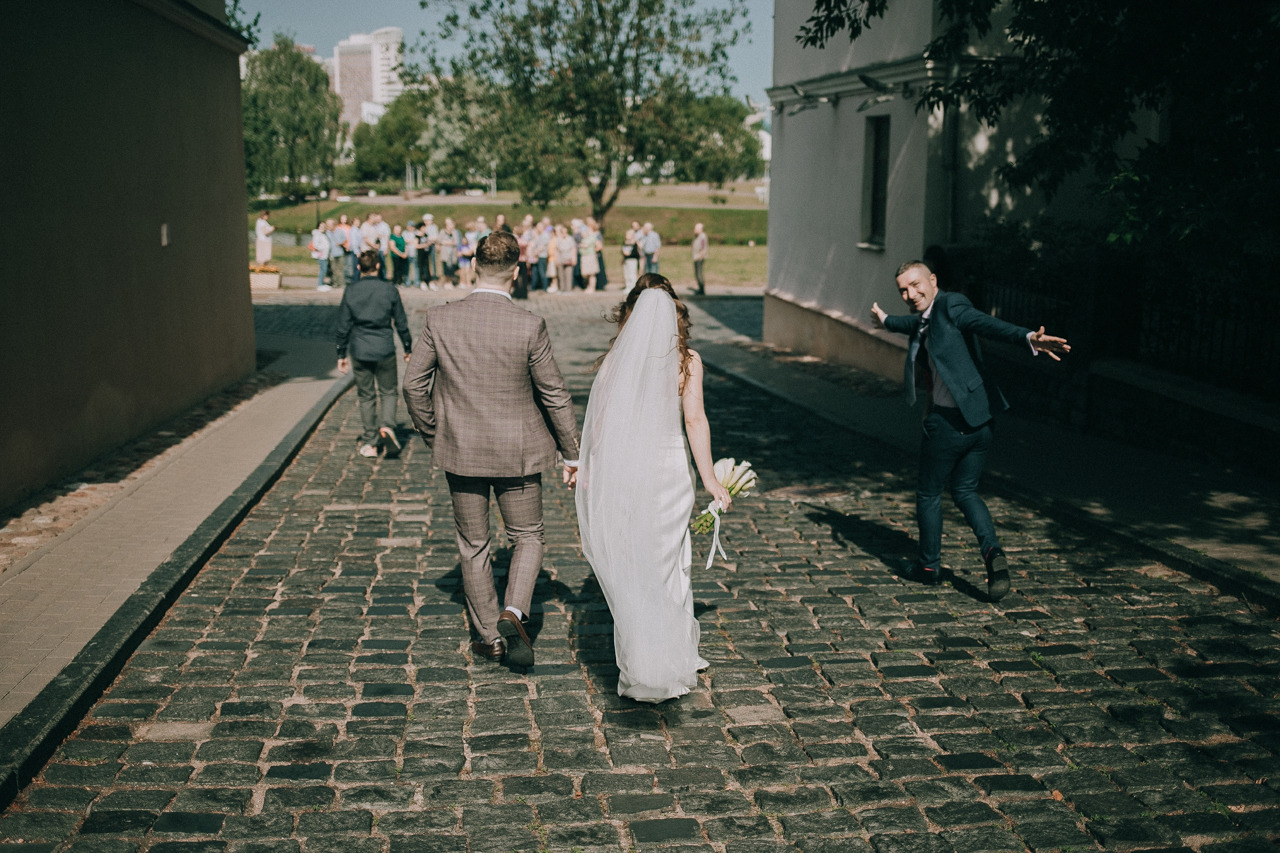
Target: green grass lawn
[(728, 265)]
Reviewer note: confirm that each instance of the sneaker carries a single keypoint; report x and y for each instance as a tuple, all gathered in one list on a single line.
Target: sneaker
[(368, 451), (324, 288), (997, 574), (553, 289), (389, 442), (434, 286)]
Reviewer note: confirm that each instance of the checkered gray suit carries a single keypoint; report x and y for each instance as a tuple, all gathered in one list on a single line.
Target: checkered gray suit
[(485, 393)]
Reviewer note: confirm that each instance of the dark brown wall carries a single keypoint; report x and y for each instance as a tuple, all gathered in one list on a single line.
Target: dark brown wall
[(121, 117)]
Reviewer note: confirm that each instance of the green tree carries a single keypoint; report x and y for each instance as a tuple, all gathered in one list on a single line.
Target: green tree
[(290, 120), (1210, 180), (383, 149), (592, 95), (238, 19)]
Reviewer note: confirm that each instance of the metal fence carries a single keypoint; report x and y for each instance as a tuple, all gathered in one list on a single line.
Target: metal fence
[(1207, 334)]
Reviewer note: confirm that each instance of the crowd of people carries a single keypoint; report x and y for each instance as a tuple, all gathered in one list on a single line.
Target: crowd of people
[(553, 257)]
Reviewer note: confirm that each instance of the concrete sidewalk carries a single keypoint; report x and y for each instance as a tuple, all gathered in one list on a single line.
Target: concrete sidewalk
[(72, 607)]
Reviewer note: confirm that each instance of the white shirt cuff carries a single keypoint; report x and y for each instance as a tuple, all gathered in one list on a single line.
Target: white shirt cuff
[(571, 463), (1034, 351)]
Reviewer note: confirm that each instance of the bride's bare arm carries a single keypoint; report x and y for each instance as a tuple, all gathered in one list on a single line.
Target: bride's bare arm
[(699, 432)]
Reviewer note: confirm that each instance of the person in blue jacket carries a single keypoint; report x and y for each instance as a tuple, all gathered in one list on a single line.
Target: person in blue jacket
[(944, 356)]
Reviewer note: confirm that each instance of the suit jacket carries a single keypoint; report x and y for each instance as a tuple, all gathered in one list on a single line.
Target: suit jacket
[(484, 390), (954, 327), (369, 309)]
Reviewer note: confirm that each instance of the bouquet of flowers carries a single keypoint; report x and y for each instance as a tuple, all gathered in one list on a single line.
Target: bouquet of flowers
[(735, 476)]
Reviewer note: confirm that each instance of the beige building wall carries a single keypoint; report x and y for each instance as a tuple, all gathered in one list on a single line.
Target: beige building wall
[(125, 296)]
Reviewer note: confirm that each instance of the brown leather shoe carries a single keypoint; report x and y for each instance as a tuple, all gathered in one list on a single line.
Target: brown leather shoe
[(519, 648), (492, 651)]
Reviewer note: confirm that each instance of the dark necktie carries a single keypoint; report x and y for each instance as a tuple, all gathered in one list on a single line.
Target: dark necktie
[(924, 376)]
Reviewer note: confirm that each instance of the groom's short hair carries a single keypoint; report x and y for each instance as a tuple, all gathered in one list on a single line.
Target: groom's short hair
[(497, 253)]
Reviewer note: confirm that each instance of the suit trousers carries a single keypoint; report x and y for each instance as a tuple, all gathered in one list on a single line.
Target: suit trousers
[(378, 390), (520, 503), (951, 453)]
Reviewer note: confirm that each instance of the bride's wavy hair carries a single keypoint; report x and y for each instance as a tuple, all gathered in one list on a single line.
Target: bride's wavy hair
[(621, 311)]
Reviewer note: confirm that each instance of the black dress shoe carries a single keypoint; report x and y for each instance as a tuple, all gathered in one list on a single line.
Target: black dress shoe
[(519, 648), (913, 571), (997, 574), (492, 651)]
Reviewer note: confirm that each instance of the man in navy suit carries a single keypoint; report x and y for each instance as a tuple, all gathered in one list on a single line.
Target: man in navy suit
[(943, 352)]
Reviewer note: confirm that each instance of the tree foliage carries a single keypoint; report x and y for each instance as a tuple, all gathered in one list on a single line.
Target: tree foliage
[(238, 19), (291, 129), (383, 149), (1211, 72), (418, 131), (593, 94)]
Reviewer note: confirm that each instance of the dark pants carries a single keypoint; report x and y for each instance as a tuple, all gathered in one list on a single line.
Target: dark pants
[(539, 275), (951, 452), (650, 264), (399, 269), (698, 277), (353, 272), (377, 387)]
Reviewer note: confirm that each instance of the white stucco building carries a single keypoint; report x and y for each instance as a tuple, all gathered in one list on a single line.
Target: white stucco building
[(862, 180)]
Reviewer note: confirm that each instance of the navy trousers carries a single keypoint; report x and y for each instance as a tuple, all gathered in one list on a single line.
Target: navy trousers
[(952, 453)]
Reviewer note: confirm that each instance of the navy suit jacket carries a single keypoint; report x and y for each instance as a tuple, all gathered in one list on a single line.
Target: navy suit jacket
[(954, 327)]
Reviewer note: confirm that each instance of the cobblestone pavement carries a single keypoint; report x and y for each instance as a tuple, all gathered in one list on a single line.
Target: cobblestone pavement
[(312, 690)]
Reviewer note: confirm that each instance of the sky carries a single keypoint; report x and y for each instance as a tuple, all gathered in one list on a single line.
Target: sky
[(324, 23)]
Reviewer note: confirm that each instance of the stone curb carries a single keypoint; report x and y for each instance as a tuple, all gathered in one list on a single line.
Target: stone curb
[(30, 738), (1248, 586)]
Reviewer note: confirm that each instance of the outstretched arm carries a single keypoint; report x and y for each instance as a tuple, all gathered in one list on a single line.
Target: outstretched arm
[(971, 320), (699, 432)]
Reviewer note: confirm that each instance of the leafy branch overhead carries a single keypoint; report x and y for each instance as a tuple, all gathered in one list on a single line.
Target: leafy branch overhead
[(595, 95), (1210, 71)]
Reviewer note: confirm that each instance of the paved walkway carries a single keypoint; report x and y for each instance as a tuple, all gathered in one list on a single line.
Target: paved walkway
[(312, 689), (55, 601)]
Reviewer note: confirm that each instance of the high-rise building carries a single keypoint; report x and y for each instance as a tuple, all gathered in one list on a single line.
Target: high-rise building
[(366, 73)]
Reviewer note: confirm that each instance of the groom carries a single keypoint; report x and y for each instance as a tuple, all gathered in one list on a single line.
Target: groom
[(484, 391)]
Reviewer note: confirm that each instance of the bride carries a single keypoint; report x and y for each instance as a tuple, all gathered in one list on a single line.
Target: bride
[(635, 489)]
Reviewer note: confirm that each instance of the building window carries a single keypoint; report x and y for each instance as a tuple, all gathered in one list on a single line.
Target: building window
[(875, 182)]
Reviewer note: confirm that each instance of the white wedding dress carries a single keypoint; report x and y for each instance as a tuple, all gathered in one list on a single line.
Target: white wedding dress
[(635, 496)]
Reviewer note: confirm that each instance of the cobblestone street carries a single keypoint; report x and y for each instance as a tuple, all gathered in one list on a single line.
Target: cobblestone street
[(313, 689)]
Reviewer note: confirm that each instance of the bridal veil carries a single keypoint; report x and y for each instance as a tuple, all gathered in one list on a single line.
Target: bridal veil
[(635, 496)]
